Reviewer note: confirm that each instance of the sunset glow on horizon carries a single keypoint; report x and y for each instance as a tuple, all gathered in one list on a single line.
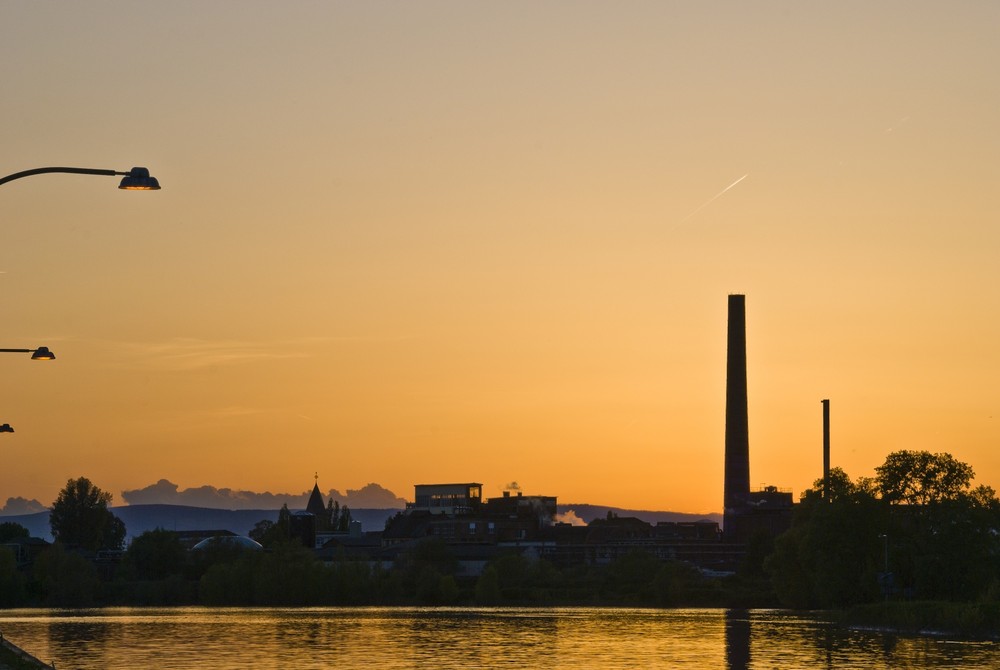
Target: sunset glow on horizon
[(433, 242)]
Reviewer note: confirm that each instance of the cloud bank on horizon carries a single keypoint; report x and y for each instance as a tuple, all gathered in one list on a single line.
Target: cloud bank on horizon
[(18, 505), (165, 492)]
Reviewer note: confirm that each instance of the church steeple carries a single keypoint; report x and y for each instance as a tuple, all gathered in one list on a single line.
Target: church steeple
[(316, 505)]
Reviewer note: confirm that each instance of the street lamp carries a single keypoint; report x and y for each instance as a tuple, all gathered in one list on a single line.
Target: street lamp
[(39, 354), (886, 577), (136, 179)]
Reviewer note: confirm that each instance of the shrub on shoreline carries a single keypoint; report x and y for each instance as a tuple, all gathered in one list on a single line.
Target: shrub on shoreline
[(971, 620)]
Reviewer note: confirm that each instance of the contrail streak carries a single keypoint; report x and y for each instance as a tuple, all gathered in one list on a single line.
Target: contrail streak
[(714, 198)]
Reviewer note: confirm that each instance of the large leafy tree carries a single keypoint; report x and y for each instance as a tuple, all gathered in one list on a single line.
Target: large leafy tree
[(270, 533), (156, 554), (65, 578), (10, 530), (921, 478), (919, 514), (830, 556), (942, 543), (80, 517), (12, 582)]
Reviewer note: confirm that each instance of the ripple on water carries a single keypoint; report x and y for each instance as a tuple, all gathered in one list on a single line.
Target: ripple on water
[(453, 638)]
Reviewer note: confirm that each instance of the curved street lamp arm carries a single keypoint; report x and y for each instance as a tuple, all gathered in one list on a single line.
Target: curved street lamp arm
[(39, 354), (70, 170)]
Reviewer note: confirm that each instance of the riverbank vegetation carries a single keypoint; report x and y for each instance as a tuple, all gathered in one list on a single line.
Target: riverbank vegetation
[(157, 571), (916, 531), (978, 620)]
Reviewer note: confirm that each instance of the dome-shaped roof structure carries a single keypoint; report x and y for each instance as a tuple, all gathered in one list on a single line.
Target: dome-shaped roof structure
[(236, 541)]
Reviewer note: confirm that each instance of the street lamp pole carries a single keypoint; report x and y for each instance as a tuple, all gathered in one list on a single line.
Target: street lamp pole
[(885, 553), (136, 179), (886, 577), (39, 354)]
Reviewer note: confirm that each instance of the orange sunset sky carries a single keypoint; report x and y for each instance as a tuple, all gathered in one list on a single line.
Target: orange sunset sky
[(417, 242)]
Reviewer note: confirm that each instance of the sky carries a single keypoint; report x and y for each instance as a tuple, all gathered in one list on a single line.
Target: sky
[(423, 242)]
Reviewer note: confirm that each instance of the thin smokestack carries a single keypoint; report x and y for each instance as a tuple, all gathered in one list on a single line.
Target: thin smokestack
[(737, 483), (826, 450)]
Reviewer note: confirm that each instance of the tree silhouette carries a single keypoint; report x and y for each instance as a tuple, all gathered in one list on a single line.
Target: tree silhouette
[(261, 531), (156, 554), (331, 520), (270, 533), (830, 556), (344, 520), (920, 477), (917, 519), (10, 530), (80, 517)]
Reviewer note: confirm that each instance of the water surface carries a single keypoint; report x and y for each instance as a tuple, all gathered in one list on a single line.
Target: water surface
[(446, 639)]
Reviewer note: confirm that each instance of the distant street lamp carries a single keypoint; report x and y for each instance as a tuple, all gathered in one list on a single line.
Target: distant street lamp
[(39, 354), (886, 577), (136, 179)]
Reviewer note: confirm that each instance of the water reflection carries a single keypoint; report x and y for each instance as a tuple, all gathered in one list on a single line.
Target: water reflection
[(484, 636), (737, 639), (396, 638)]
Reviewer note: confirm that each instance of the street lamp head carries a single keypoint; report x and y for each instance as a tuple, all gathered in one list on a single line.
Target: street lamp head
[(138, 179), (43, 354), (5, 428)]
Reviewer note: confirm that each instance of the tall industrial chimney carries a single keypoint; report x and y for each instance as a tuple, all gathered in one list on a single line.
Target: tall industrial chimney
[(737, 484), (826, 450)]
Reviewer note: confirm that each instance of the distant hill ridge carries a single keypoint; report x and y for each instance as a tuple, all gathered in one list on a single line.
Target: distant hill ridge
[(141, 518)]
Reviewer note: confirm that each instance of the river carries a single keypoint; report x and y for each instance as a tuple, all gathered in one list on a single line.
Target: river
[(453, 638)]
